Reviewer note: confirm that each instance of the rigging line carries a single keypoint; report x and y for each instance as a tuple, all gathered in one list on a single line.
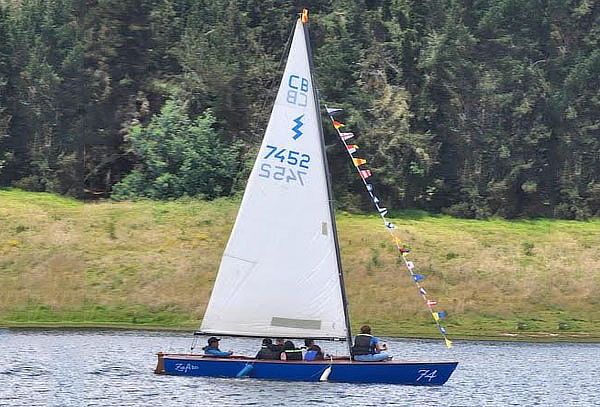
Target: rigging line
[(194, 343), (268, 96)]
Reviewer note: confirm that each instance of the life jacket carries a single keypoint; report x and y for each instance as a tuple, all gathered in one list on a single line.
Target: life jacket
[(293, 354), (276, 348), (314, 355), (267, 353), (362, 345)]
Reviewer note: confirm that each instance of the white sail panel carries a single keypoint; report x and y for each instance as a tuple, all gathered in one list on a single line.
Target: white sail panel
[(279, 273)]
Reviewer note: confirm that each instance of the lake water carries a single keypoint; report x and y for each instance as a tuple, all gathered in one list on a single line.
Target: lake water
[(115, 368)]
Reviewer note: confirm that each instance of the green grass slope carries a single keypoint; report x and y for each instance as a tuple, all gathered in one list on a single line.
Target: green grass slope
[(152, 264)]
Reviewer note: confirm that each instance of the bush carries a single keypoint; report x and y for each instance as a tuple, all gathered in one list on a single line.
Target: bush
[(31, 183), (179, 157), (460, 210)]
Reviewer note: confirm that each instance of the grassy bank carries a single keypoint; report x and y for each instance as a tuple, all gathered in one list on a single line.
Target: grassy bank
[(149, 264)]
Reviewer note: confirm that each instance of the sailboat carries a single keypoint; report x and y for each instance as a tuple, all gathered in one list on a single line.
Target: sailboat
[(280, 274)]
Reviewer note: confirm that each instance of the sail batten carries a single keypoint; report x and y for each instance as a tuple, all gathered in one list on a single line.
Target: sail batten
[(279, 275)]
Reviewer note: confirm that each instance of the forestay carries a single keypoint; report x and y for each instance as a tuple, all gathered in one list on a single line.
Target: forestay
[(279, 273)]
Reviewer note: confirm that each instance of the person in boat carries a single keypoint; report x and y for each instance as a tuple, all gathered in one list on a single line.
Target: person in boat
[(290, 352), (279, 345), (307, 344), (212, 349), (366, 347), (267, 352), (312, 352)]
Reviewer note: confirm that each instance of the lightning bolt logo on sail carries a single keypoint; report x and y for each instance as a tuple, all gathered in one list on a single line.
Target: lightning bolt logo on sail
[(296, 128)]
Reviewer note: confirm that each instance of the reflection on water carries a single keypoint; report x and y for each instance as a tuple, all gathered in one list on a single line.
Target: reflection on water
[(99, 368)]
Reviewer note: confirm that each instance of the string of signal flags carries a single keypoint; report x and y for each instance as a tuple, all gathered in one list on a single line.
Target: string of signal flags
[(403, 252)]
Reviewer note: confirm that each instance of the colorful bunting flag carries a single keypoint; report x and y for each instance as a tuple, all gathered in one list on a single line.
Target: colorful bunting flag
[(358, 161), (364, 174), (334, 111)]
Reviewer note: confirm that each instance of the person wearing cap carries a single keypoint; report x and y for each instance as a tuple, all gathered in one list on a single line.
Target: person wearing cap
[(266, 351), (212, 349)]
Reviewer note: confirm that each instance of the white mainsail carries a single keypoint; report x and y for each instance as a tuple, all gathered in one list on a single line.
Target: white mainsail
[(279, 275)]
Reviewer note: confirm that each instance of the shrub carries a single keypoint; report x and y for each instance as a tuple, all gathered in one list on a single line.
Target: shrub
[(179, 157)]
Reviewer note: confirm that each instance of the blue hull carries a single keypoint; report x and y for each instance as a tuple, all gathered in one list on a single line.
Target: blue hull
[(422, 374)]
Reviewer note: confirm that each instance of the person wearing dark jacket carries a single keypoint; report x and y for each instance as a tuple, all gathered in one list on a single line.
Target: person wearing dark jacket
[(266, 351), (290, 352), (279, 345), (366, 347), (213, 349)]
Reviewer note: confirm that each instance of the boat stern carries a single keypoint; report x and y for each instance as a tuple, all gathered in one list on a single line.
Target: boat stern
[(160, 363)]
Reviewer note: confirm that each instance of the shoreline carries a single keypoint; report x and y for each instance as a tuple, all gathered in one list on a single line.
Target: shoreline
[(152, 266), (529, 337)]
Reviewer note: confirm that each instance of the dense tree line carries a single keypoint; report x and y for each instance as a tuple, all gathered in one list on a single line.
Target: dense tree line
[(473, 107)]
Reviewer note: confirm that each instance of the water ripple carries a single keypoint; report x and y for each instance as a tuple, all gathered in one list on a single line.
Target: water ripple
[(115, 371), (115, 368)]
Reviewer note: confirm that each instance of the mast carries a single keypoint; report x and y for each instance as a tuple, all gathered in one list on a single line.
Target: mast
[(304, 17)]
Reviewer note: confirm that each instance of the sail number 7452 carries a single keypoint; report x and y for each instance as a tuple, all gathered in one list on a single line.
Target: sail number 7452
[(287, 156)]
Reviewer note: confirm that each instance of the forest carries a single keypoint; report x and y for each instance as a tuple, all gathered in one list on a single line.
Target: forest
[(473, 108)]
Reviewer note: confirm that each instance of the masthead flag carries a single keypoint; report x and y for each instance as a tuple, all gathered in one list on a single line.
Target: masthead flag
[(334, 111)]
